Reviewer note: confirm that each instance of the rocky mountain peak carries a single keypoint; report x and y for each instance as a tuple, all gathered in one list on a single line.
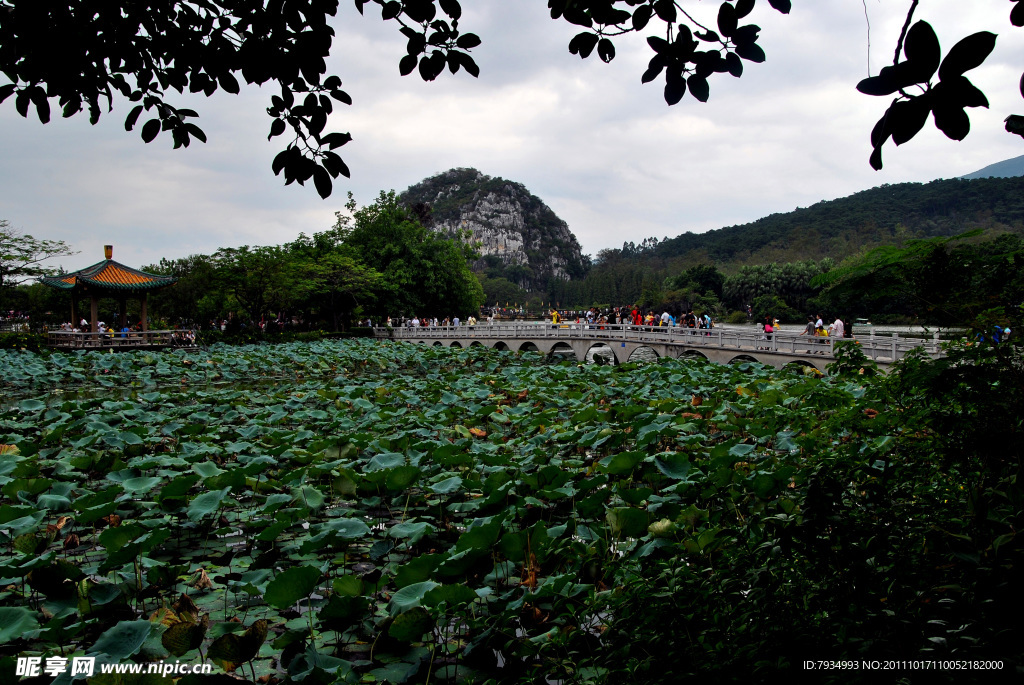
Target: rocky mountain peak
[(514, 229)]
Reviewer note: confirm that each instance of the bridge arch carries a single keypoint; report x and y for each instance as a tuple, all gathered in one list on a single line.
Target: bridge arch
[(744, 359), (693, 354), (501, 345), (529, 346), (476, 343), (456, 343), (602, 348), (562, 348), (798, 365), (638, 348)]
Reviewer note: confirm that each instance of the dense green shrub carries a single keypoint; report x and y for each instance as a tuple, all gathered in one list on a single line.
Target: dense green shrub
[(737, 317), (249, 336), (774, 306), (35, 342)]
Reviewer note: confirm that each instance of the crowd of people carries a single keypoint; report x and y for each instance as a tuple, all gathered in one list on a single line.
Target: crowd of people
[(84, 326), (636, 316), (278, 324), (428, 322), (815, 328)]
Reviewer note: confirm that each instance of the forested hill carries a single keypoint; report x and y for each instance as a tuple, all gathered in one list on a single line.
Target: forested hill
[(837, 228)]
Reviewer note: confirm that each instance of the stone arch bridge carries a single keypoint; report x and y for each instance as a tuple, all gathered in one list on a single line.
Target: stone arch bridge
[(719, 345)]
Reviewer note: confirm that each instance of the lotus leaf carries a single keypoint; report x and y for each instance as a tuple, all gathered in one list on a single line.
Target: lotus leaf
[(206, 503), (418, 569), (452, 595), (233, 650), (409, 626), (141, 485), (184, 636), (384, 461), (402, 477), (123, 640), (309, 496), (348, 528), (446, 486), (412, 531), (291, 585), (15, 622), (342, 611), (627, 522), (675, 465), (409, 596), (349, 586)]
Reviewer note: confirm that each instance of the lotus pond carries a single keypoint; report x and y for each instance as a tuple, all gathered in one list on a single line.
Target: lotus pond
[(360, 511)]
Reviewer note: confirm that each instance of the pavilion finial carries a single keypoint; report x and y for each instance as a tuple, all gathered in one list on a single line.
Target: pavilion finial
[(108, 251)]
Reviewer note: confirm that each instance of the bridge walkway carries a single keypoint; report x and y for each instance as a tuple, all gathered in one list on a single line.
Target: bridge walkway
[(718, 344)]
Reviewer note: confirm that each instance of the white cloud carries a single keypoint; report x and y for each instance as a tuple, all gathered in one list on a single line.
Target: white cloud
[(598, 146)]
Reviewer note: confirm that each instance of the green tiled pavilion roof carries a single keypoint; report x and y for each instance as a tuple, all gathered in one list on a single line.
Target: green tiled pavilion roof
[(109, 275)]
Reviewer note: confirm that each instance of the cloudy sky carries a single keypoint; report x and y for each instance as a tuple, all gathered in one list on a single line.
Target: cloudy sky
[(603, 150)]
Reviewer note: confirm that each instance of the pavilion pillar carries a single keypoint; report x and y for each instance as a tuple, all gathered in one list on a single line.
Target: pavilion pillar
[(145, 323), (94, 312), (124, 314), (74, 321)]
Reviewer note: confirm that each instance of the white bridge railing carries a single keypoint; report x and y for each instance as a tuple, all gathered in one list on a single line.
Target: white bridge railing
[(882, 348)]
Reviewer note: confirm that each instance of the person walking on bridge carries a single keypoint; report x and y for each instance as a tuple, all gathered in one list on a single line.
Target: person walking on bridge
[(810, 330)]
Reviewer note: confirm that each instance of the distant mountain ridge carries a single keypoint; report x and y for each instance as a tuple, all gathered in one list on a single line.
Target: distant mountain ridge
[(1004, 169), (513, 227), (837, 228)]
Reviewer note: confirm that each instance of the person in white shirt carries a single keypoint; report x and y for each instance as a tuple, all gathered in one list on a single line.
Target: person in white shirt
[(455, 321), (415, 322), (836, 330)]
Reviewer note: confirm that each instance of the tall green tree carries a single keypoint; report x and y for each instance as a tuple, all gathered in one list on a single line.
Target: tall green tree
[(196, 296), (262, 280), (341, 284), (423, 273), (967, 280), (791, 282), (22, 256)]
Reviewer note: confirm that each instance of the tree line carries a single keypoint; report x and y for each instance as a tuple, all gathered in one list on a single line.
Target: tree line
[(380, 260), (375, 261)]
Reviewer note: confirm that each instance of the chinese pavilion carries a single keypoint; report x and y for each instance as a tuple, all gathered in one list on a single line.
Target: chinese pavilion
[(109, 279)]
